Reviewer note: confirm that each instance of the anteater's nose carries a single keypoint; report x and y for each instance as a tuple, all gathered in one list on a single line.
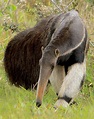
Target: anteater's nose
[(38, 103)]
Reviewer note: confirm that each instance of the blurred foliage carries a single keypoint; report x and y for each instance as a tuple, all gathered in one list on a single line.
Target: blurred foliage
[(19, 14), (91, 1)]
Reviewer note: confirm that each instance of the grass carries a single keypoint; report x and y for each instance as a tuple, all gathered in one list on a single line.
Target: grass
[(18, 103)]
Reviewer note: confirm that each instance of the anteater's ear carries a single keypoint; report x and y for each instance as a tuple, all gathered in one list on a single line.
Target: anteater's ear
[(42, 49), (57, 52)]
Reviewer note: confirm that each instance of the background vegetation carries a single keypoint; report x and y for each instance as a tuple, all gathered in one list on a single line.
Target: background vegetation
[(18, 103)]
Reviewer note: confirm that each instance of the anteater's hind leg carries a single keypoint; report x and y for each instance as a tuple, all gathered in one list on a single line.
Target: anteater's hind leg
[(72, 84)]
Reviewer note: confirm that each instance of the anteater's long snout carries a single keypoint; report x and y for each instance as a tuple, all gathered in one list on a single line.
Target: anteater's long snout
[(42, 83), (40, 91)]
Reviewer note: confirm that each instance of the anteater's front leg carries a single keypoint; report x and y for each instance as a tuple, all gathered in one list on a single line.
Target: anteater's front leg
[(72, 84)]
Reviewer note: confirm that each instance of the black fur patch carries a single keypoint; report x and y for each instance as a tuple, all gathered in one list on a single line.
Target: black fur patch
[(66, 98), (76, 56)]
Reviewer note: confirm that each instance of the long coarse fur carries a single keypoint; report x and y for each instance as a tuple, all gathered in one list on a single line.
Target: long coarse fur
[(21, 59), (22, 54)]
